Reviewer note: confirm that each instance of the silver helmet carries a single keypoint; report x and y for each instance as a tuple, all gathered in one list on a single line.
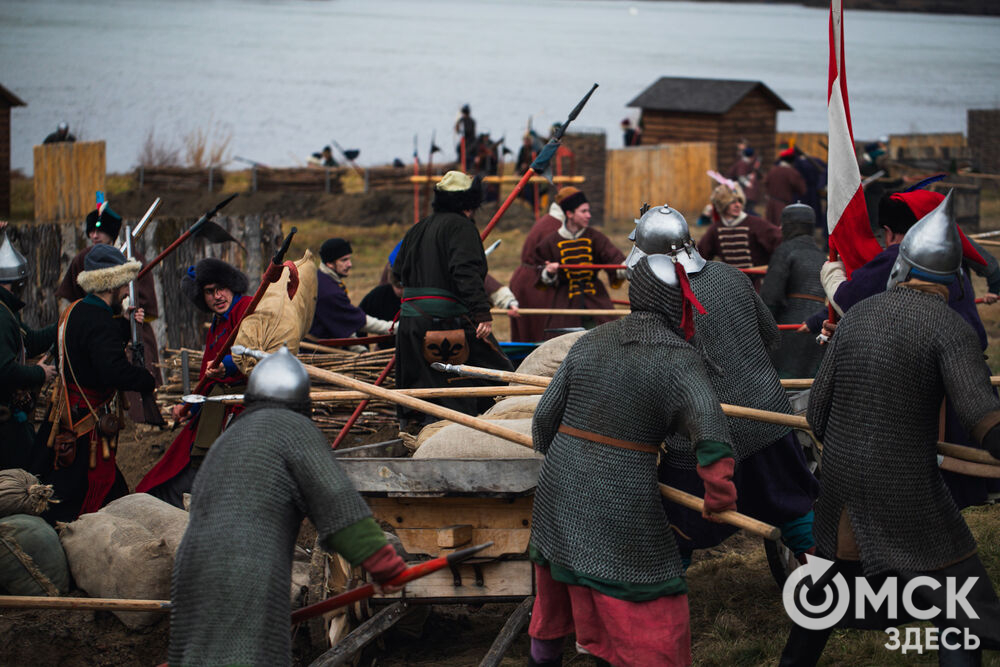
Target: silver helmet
[(13, 265), (931, 249), (663, 231), (279, 377)]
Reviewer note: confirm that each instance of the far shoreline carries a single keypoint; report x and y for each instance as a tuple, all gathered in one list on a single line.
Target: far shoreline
[(963, 7)]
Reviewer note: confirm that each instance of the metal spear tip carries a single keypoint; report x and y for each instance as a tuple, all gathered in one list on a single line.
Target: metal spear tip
[(193, 399), (444, 368), (468, 552)]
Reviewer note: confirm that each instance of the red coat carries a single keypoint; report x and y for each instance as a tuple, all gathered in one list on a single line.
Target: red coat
[(524, 281), (177, 457)]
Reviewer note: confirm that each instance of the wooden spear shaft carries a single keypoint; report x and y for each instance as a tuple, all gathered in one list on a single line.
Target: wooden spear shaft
[(806, 383), (424, 392), (486, 426), (793, 421), (106, 604)]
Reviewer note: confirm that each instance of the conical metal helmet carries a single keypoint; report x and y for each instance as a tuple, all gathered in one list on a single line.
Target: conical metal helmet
[(279, 377), (931, 249), (13, 265), (663, 231)]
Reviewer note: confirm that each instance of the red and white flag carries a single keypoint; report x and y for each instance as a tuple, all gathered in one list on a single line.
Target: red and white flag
[(851, 235)]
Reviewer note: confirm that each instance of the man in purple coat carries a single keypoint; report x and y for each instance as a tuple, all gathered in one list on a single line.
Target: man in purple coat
[(336, 316)]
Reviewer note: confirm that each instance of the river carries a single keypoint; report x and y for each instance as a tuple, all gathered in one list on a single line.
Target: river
[(284, 77)]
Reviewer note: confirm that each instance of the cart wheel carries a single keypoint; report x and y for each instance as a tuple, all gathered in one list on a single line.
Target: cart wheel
[(780, 560)]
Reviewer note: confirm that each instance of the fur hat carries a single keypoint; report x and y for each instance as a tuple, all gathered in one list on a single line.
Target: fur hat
[(458, 192), (104, 219), (211, 271), (334, 249), (723, 196), (570, 198), (105, 268), (901, 210)]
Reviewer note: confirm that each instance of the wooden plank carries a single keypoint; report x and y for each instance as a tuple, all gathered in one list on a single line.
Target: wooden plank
[(343, 652), (508, 633), (66, 177), (452, 537), (500, 578), (439, 476), (505, 540), (671, 174), (480, 513)]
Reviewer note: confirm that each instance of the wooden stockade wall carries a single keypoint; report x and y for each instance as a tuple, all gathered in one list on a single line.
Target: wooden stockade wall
[(590, 161), (49, 248), (942, 145), (984, 139), (304, 179), (671, 174), (179, 178), (66, 177), (813, 144)]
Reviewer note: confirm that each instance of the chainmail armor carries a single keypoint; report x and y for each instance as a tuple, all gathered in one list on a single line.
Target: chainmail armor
[(794, 269), (875, 405), (736, 332), (636, 380), (267, 471)]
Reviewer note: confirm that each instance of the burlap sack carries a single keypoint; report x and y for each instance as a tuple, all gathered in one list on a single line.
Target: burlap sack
[(277, 320), (547, 357), (513, 407), (413, 442), (455, 441), (22, 493), (126, 550)]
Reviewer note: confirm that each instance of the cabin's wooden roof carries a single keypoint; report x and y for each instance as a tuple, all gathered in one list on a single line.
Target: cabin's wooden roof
[(712, 96)]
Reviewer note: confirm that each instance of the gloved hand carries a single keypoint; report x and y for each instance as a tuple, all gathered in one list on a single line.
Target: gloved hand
[(383, 565), (720, 492)]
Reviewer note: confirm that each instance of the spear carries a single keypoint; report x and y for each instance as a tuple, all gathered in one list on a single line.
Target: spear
[(538, 165), (487, 426), (202, 227), (368, 590), (963, 452), (271, 275), (141, 227), (416, 186), (150, 412)]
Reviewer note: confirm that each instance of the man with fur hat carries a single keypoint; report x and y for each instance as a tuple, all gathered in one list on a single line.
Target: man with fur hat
[(215, 287), (445, 311), (336, 316), (19, 382), (574, 242), (102, 226), (736, 237), (792, 291), (270, 469), (606, 563), (884, 511), (524, 280), (784, 185), (93, 369)]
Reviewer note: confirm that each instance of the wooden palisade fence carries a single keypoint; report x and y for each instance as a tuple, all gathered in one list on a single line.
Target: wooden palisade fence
[(66, 177), (673, 174)]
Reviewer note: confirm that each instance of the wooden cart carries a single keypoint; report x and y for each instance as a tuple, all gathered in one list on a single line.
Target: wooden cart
[(436, 506)]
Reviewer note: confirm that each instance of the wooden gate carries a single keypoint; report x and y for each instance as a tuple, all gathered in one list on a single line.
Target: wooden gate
[(673, 174)]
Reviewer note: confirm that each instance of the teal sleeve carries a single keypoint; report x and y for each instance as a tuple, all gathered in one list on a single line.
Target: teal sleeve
[(710, 451), (357, 541)]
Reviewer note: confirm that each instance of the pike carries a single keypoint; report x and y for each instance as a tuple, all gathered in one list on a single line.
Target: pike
[(271, 275), (753, 270), (538, 165), (150, 411), (368, 590), (948, 450), (141, 227), (348, 395), (486, 426), (202, 227)]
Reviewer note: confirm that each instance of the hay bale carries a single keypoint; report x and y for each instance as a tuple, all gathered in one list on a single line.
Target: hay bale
[(513, 407), (455, 441), (548, 356), (126, 550), (32, 561)]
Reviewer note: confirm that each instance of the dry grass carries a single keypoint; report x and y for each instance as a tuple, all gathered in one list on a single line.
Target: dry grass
[(207, 148), (158, 152)]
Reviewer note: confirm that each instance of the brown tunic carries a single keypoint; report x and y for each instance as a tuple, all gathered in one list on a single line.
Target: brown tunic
[(524, 284), (749, 243), (785, 186)]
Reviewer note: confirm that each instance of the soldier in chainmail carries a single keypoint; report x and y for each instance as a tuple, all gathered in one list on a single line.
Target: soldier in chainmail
[(736, 332), (232, 571), (594, 566), (884, 510), (792, 291)]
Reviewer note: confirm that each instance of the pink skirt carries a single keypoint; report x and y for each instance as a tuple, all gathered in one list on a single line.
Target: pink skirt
[(656, 632)]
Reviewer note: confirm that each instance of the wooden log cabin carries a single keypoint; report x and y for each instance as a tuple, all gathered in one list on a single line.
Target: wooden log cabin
[(7, 101), (723, 111)]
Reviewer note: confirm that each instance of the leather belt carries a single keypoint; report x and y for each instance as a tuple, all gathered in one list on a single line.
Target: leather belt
[(603, 439), (810, 297)]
